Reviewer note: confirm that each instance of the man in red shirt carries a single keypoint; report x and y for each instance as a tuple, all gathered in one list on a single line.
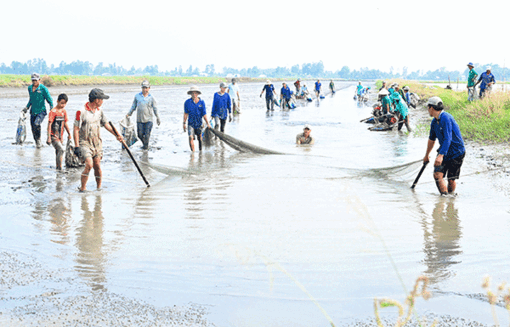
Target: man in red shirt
[(57, 122)]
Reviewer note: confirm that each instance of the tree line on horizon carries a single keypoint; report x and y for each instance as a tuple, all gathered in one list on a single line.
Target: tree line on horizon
[(306, 70)]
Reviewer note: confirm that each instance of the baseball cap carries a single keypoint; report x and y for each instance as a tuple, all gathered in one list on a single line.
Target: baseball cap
[(307, 127), (146, 84), (35, 77), (223, 84), (489, 68), (97, 94), (434, 101)]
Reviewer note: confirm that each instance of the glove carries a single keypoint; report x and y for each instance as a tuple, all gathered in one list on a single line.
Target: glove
[(158, 121), (24, 110), (77, 151), (230, 118)]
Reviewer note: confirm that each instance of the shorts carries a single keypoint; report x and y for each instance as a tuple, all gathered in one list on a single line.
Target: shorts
[(88, 150), (192, 131), (451, 167)]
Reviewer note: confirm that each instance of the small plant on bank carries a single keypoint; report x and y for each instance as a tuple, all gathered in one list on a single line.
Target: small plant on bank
[(403, 319)]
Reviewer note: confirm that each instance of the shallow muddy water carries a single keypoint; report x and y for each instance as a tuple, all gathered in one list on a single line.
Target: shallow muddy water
[(231, 238)]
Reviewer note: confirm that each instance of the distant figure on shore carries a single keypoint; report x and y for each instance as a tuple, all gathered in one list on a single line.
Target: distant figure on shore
[(38, 93), (318, 88), (87, 138), (451, 151), (471, 82), (285, 96), (145, 105), (383, 86), (332, 86), (270, 93), (194, 111), (221, 108), (297, 85), (305, 137), (57, 122), (233, 92), (487, 80)]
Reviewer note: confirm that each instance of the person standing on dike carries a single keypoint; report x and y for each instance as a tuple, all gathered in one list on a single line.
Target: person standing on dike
[(270, 94), (487, 80), (57, 122), (451, 150), (38, 93), (194, 111), (471, 82), (145, 105), (221, 103), (87, 138)]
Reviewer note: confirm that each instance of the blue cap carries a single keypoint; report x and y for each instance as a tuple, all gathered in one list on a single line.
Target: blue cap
[(471, 64)]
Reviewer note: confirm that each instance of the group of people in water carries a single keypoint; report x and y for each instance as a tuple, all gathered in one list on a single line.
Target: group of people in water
[(88, 121)]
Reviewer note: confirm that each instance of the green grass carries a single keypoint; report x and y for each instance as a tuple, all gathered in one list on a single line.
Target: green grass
[(486, 121), (62, 80)]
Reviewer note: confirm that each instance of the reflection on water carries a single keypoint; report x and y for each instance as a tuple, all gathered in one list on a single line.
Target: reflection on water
[(441, 240), (59, 213), (89, 242)]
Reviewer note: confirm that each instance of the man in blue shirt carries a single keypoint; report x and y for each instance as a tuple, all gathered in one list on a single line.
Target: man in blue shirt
[(194, 111), (487, 80), (269, 89), (317, 88), (451, 150), (285, 96), (221, 108), (145, 105)]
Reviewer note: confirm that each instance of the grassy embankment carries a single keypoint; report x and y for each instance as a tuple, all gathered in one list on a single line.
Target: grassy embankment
[(485, 121), (65, 80)]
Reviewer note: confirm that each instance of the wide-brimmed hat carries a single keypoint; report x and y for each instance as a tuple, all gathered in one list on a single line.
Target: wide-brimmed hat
[(384, 92), (470, 64), (268, 82), (434, 101), (194, 88), (488, 68), (35, 77)]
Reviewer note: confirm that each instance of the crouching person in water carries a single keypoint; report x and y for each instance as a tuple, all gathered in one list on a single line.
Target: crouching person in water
[(305, 137), (57, 122), (221, 108), (194, 111), (451, 150), (87, 126)]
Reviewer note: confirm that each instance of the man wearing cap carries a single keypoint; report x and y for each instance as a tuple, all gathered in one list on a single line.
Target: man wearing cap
[(285, 96), (385, 101), (297, 85), (221, 103), (451, 150), (146, 106), (87, 136), (305, 137), (38, 93), (471, 82), (194, 111), (383, 86), (487, 80), (233, 92), (270, 93)]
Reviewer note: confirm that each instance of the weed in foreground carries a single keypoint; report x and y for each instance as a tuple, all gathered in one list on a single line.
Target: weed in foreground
[(403, 319), (493, 298)]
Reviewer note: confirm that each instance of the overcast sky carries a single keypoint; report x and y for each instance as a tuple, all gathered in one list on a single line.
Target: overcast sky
[(421, 35)]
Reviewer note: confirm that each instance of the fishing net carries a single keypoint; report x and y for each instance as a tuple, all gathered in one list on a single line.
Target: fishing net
[(21, 131), (72, 160), (241, 145), (128, 131)]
